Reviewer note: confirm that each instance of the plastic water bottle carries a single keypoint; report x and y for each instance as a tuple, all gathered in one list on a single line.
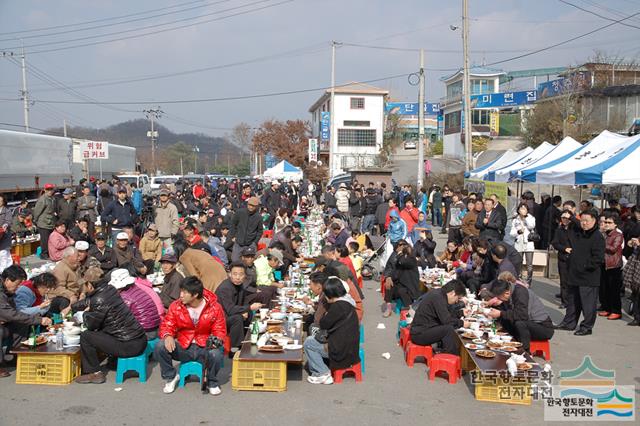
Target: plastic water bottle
[(59, 340)]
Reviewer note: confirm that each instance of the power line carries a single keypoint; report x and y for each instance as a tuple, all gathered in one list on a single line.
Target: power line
[(598, 15), (99, 20), (152, 26), (34, 128), (118, 23), (221, 99)]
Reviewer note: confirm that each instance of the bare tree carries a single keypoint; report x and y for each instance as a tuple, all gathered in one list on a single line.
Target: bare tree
[(241, 137)]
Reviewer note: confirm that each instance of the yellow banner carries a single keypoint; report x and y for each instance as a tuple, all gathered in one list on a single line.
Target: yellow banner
[(487, 188)]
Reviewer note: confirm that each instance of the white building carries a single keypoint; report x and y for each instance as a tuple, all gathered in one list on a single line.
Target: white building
[(357, 127), (483, 81)]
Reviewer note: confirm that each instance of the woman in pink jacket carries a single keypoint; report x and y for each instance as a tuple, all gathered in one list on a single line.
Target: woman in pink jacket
[(58, 241), (140, 274)]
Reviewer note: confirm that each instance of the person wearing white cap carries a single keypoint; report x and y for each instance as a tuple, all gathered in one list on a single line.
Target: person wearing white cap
[(125, 253), (84, 260)]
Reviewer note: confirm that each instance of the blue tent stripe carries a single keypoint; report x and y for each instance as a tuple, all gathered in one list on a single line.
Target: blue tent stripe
[(288, 167), (530, 175), (594, 173), (479, 169)]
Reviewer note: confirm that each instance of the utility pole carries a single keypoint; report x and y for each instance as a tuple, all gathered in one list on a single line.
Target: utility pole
[(228, 164), (421, 106), (332, 136), (466, 101), (196, 151), (181, 168), (64, 127), (24, 93), (152, 115)]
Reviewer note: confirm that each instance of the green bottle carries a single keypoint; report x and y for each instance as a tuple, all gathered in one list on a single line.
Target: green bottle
[(255, 331), (32, 337)]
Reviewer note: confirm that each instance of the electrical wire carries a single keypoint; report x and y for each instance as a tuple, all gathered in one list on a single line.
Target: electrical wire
[(598, 15), (99, 20), (203, 100), (268, 6), (33, 128), (118, 23)]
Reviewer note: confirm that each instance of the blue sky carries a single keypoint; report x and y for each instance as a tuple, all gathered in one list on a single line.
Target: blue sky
[(294, 36)]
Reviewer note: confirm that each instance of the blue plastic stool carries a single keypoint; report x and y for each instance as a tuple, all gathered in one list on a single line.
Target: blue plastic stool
[(277, 275), (191, 368), (361, 334), (361, 355), (399, 306), (151, 346), (401, 324), (38, 251), (136, 363)]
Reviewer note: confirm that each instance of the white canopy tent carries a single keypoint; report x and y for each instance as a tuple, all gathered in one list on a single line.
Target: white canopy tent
[(562, 171), (508, 158), (285, 171), (620, 168), (504, 174), (565, 148)]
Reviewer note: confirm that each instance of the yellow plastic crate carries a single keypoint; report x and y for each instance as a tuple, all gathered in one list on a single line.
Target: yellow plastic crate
[(38, 369), (258, 375), (505, 393)]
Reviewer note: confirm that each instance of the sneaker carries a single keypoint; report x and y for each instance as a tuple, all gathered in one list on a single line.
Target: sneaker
[(215, 390), (387, 313), (170, 386), (325, 379)]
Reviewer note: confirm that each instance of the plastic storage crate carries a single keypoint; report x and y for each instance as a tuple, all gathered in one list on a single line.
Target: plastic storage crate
[(505, 393), (258, 375), (38, 369)]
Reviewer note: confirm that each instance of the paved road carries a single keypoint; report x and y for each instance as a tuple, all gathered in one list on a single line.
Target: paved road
[(391, 393)]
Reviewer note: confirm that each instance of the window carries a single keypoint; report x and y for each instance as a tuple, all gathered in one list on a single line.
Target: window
[(454, 89), (357, 103), (480, 86), (452, 120), (356, 137), (481, 117), (352, 123)]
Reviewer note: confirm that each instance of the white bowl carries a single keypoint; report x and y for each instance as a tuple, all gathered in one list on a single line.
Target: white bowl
[(71, 331), (68, 324), (506, 338), (71, 340), (278, 315)]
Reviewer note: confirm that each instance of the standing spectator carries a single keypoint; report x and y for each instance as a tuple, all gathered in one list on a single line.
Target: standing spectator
[(86, 205), (44, 216), (490, 222), (468, 226), (521, 227), (66, 208), (435, 200), (562, 244), (246, 228), (166, 218), (409, 213), (611, 281), (502, 211), (370, 206), (587, 247), (381, 215), (342, 199), (551, 221), (454, 218), (5, 235), (198, 191), (392, 207), (356, 207), (119, 213)]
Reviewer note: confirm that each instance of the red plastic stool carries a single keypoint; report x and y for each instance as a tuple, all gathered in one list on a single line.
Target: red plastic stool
[(405, 337), (537, 346), (403, 314), (447, 363), (356, 369), (261, 246), (267, 233), (16, 259), (382, 289), (413, 351)]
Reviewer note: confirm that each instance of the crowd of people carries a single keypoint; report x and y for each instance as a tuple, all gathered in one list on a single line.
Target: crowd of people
[(205, 237)]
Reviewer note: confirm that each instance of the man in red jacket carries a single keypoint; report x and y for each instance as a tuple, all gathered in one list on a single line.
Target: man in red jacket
[(189, 323)]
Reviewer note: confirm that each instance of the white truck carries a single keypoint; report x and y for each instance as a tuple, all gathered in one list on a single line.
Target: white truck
[(29, 160)]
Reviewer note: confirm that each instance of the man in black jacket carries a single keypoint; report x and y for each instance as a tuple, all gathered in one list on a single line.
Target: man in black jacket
[(370, 206), (111, 327), (490, 222), (434, 321), (102, 252), (119, 213), (520, 312), (232, 295), (502, 211), (585, 263), (246, 228)]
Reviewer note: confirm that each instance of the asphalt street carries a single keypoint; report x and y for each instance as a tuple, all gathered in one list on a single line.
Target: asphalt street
[(391, 393)]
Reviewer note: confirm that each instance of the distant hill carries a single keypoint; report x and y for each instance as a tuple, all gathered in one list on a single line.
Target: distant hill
[(134, 133)]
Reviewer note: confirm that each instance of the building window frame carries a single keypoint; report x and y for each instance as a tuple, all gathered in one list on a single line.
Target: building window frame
[(356, 102), (366, 138)]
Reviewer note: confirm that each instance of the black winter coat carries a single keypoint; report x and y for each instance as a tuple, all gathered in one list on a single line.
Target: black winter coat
[(433, 311), (247, 228), (406, 275), (424, 251), (108, 313), (342, 324), (494, 228), (232, 298), (587, 257)]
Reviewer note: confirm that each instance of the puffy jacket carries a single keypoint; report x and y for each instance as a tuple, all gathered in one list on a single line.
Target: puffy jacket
[(150, 249), (67, 280), (141, 306), (108, 313), (146, 286), (178, 323), (9, 313), (44, 212), (410, 217), (57, 244), (342, 200), (371, 202), (528, 225), (614, 241), (397, 229), (246, 227), (587, 256)]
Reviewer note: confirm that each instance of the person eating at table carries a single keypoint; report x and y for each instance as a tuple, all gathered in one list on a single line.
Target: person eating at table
[(233, 297), (30, 296), (434, 321), (265, 267), (68, 289), (14, 325), (191, 322), (519, 310), (342, 335), (111, 327)]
